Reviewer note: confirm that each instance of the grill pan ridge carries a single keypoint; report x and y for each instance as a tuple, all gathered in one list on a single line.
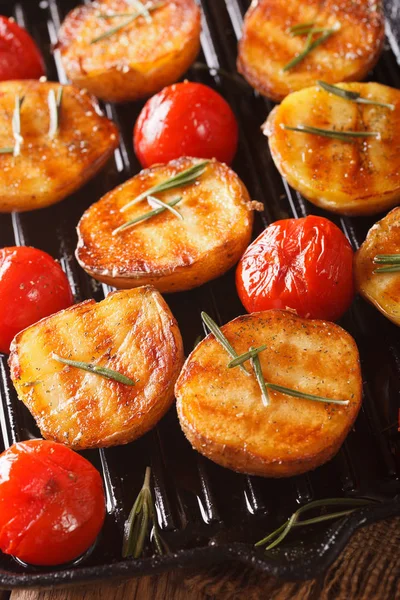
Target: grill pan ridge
[(208, 514)]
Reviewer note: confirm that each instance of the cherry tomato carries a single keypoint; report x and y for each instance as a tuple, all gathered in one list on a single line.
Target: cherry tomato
[(305, 265), (32, 286), (52, 503), (20, 58), (185, 119)]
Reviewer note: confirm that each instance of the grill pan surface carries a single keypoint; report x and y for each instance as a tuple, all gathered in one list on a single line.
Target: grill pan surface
[(208, 514)]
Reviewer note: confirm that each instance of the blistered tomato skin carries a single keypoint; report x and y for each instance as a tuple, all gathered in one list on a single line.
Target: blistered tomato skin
[(32, 286), (52, 503), (185, 119), (305, 265), (20, 58)]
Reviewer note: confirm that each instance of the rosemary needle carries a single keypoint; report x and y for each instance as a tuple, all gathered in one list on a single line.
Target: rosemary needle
[(162, 204), (147, 215), (54, 103), (351, 96), (246, 356), (391, 262), (303, 395), (102, 371), (255, 363), (183, 178), (310, 46), (281, 532), (219, 336), (9, 150), (344, 136), (16, 124), (130, 19)]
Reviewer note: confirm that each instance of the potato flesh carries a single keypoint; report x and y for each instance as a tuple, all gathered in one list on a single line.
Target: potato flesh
[(132, 332), (267, 44), (382, 290), (214, 232), (221, 411), (47, 170), (353, 178), (136, 61)]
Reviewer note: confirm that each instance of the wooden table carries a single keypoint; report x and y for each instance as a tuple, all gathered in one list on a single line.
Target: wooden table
[(368, 569)]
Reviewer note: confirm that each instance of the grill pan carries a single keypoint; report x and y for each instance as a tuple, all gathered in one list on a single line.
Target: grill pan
[(208, 514)]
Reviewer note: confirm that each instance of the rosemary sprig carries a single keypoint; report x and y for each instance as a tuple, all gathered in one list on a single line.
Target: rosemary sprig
[(246, 356), (277, 536), (9, 150), (102, 371), (307, 24), (55, 110), (343, 136), (309, 29), (16, 124), (310, 45), (392, 262), (146, 9), (162, 204), (350, 95), (183, 178), (142, 9), (255, 363), (147, 215), (137, 525), (219, 336)]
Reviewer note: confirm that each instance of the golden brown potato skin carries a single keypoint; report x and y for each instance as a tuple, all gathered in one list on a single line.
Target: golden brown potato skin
[(47, 170), (135, 62), (221, 412), (169, 253), (267, 44), (382, 290), (132, 332), (361, 177)]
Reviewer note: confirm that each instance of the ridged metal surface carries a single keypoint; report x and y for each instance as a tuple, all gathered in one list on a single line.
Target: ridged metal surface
[(210, 514)]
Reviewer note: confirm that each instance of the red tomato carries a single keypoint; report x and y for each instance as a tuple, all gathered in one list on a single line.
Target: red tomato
[(52, 503), (20, 58), (305, 265), (32, 286), (185, 119)]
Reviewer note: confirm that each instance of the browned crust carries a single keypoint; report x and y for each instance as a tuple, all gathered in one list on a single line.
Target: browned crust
[(128, 260), (133, 70)]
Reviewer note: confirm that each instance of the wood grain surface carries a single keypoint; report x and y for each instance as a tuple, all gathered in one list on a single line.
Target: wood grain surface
[(368, 569)]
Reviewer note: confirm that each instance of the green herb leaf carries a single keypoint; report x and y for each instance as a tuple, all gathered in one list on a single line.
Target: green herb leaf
[(142, 9), (281, 532), (255, 363), (392, 262), (309, 29), (219, 336), (246, 356), (16, 124), (297, 394), (102, 371), (351, 96), (146, 216), (310, 46), (7, 150), (137, 525), (344, 136), (183, 178), (307, 24), (55, 110), (142, 12), (162, 204)]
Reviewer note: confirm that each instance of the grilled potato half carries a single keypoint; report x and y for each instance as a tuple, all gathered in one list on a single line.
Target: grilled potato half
[(118, 57), (49, 168), (132, 332), (221, 412), (268, 44), (358, 176), (165, 251), (381, 289)]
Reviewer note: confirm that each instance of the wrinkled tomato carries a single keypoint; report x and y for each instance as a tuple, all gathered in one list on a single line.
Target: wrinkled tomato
[(305, 265), (52, 503)]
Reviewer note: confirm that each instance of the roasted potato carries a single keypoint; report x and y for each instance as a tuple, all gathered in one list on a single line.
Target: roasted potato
[(132, 332), (267, 44), (381, 289), (138, 59), (221, 412), (360, 176), (47, 168), (169, 253)]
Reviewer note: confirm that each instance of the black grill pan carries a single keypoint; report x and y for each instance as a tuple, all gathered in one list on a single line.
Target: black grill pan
[(208, 514)]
